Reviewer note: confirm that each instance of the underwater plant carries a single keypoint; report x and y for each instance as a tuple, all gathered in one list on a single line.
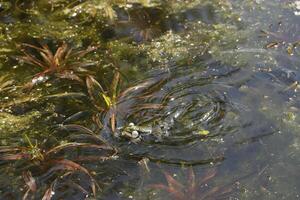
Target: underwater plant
[(280, 36), (45, 163), (103, 100), (194, 190), (64, 63), (5, 83), (141, 24)]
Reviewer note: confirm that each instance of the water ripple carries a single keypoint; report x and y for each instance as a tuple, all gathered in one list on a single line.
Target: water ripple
[(184, 107)]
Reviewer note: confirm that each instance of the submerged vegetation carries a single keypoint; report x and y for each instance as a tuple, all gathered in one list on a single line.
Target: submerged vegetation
[(45, 163), (193, 189), (88, 85), (58, 63)]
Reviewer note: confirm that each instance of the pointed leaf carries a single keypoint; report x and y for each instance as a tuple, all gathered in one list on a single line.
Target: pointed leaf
[(191, 181), (94, 90), (69, 165), (209, 175), (107, 100), (74, 144), (18, 156), (30, 181), (49, 192), (177, 195), (66, 95), (174, 184), (82, 129)]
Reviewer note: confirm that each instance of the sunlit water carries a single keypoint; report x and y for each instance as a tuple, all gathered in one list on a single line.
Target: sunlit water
[(241, 120)]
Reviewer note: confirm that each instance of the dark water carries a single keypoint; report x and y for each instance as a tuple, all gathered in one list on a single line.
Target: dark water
[(225, 119)]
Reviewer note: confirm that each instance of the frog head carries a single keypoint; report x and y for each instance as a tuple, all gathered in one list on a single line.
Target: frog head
[(131, 132)]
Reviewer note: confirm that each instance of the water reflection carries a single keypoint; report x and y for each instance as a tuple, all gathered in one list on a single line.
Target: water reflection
[(142, 24)]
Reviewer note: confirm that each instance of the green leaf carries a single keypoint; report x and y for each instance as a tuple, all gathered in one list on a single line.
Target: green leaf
[(203, 132), (107, 100)]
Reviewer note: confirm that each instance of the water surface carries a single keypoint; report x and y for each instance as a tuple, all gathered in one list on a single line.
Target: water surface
[(216, 83)]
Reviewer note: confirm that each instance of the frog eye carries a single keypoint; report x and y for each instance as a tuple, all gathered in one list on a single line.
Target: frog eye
[(135, 134)]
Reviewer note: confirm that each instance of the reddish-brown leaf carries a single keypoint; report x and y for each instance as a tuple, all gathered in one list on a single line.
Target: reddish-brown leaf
[(10, 149), (18, 156), (82, 129), (49, 192), (174, 184), (65, 164), (191, 181), (74, 144), (95, 89), (177, 195), (209, 175), (30, 181)]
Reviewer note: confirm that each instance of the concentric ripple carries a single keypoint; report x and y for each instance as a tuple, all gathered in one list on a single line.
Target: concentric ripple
[(183, 107)]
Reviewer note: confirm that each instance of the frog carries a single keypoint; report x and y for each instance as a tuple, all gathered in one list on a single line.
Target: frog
[(188, 120), (149, 132), (135, 132)]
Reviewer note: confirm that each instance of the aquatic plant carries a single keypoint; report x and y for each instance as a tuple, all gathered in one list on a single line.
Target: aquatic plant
[(193, 189), (5, 83), (64, 63), (82, 22), (279, 36), (143, 23), (104, 100), (47, 162)]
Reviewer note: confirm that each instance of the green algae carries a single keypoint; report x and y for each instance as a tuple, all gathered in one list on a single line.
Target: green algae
[(85, 22), (11, 124), (150, 44)]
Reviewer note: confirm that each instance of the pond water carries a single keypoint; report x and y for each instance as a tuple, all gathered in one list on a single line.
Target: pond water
[(150, 99)]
